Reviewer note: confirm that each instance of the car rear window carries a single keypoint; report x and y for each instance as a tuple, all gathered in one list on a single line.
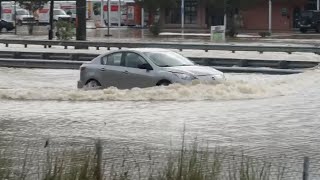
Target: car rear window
[(112, 59)]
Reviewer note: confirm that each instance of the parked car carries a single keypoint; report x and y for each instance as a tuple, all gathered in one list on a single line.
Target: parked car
[(59, 14), (143, 67), (23, 17), (309, 20), (5, 25)]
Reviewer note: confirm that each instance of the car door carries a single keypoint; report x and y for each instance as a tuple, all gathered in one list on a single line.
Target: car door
[(113, 72), (138, 77)]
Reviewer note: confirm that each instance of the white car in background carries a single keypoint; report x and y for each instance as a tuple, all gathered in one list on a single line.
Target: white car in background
[(23, 17), (59, 14)]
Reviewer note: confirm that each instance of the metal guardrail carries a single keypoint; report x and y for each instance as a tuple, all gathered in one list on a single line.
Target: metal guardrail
[(167, 45), (67, 64), (223, 62)]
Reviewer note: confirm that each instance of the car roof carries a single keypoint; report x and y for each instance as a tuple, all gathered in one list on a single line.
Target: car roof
[(149, 50)]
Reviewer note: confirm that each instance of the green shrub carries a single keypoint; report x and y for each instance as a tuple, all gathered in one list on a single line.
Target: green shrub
[(264, 34), (155, 29), (65, 30), (232, 33)]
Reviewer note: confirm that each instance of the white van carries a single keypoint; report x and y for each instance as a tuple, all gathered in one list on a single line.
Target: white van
[(58, 14), (23, 16)]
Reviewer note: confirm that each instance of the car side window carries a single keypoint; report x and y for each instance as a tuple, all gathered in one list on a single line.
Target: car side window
[(133, 60), (112, 59)]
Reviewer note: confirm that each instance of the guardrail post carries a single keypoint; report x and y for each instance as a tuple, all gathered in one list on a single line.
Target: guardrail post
[(65, 47), (283, 65), (306, 164), (243, 63), (45, 46), (108, 48), (25, 45), (97, 47), (16, 55), (74, 57), (7, 45), (45, 56)]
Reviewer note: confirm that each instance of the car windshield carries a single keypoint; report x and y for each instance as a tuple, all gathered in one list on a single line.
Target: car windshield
[(59, 12), (306, 14), (22, 12), (168, 59)]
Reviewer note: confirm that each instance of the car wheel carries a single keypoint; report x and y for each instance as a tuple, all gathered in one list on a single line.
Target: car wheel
[(303, 30), (93, 84), (164, 83)]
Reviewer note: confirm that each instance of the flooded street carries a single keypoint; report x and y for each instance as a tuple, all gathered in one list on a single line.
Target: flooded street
[(261, 114)]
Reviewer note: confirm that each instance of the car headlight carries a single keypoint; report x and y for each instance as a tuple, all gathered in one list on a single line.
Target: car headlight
[(185, 76)]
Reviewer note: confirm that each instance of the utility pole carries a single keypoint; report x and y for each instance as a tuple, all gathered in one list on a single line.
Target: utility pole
[(182, 14), (51, 20), (0, 9), (15, 17), (119, 14), (109, 19), (101, 14), (81, 34), (270, 16)]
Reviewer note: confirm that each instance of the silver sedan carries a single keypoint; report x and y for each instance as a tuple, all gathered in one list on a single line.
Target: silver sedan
[(143, 68)]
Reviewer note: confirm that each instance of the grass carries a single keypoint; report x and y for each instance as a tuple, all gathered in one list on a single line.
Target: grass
[(189, 163)]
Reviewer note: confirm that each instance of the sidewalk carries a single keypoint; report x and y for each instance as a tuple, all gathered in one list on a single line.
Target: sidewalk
[(137, 34)]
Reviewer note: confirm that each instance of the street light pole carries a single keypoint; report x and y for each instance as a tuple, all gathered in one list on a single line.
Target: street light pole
[(15, 17), (270, 16), (109, 9), (119, 14), (51, 20), (0, 9), (101, 14), (182, 14)]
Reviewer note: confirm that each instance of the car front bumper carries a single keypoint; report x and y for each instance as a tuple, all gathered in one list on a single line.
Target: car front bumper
[(207, 79)]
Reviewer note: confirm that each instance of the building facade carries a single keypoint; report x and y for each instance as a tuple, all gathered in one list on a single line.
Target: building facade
[(196, 15)]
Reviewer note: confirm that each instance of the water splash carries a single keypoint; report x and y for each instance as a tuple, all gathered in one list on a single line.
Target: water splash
[(237, 87)]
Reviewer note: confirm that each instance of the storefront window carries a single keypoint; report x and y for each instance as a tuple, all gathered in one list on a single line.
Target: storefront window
[(191, 12), (173, 15), (311, 5)]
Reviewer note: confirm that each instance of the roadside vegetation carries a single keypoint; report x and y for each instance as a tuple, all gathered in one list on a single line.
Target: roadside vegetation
[(188, 163)]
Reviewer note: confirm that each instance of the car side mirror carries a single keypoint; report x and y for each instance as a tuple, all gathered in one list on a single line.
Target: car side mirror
[(145, 66)]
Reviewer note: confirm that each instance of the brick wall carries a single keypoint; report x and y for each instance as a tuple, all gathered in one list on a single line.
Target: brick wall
[(257, 18)]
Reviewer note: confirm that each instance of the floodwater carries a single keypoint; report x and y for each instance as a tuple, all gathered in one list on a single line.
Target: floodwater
[(264, 115)]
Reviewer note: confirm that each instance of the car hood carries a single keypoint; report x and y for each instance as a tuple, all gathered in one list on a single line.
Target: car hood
[(63, 16), (25, 16), (194, 70)]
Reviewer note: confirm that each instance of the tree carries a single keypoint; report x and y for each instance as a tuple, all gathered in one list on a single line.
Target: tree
[(32, 5), (152, 6)]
